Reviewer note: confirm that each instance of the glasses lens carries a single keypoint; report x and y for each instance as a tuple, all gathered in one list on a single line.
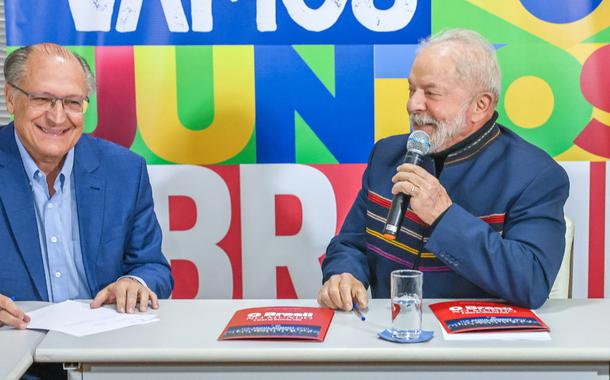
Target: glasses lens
[(73, 105), (40, 102)]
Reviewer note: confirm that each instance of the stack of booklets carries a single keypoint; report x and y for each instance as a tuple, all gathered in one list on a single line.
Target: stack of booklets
[(488, 320), (309, 323)]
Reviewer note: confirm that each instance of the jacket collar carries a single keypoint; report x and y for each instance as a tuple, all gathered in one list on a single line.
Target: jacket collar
[(471, 145)]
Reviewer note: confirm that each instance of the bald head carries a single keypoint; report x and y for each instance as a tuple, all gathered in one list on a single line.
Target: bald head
[(15, 67)]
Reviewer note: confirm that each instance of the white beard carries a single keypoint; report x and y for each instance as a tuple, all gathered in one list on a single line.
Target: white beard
[(444, 131)]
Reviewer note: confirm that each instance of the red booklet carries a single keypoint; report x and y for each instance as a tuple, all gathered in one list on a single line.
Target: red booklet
[(310, 323), (478, 316)]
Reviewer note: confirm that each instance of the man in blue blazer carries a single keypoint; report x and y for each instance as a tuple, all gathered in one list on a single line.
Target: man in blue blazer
[(76, 212)]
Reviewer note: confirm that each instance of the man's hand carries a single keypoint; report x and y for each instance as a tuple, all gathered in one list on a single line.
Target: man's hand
[(429, 199), (126, 292), (341, 291), (11, 315)]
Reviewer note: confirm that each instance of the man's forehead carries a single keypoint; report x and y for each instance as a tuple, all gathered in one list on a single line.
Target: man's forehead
[(430, 79), (441, 55), (433, 67), (54, 72), (42, 57), (46, 55)]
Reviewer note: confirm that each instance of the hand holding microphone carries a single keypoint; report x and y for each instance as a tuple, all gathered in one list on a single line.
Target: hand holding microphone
[(418, 145), (415, 187)]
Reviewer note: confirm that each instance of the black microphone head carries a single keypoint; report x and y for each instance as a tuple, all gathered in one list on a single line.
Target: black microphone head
[(418, 142)]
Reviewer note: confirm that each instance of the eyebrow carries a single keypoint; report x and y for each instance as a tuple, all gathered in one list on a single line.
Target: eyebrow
[(428, 86), (45, 93)]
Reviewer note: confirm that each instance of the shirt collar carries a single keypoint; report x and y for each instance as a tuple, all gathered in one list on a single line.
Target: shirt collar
[(33, 171)]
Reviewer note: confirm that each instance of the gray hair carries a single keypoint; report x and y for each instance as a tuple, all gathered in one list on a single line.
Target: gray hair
[(15, 66), (475, 62)]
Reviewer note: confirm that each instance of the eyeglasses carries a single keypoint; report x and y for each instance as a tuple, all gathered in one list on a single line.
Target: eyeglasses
[(41, 102)]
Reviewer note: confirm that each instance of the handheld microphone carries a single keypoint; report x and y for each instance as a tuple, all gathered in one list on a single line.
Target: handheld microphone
[(418, 145)]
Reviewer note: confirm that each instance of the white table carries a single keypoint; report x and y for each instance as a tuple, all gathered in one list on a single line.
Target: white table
[(184, 345), (17, 347)]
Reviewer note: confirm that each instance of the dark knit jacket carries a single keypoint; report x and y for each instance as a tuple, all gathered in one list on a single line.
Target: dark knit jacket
[(503, 237)]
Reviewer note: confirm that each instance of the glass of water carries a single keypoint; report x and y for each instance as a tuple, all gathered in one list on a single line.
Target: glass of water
[(406, 293)]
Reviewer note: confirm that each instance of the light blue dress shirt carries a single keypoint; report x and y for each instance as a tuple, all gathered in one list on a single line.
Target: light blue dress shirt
[(57, 219)]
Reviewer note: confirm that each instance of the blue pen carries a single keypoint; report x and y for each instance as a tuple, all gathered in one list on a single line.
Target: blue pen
[(13, 298), (358, 312)]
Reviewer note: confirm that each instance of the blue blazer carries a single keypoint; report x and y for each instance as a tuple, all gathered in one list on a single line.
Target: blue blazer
[(119, 231)]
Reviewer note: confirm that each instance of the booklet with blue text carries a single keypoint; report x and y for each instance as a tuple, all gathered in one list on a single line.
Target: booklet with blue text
[(278, 322), (458, 317)]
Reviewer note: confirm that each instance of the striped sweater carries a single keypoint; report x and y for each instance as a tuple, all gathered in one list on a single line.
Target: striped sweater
[(503, 237)]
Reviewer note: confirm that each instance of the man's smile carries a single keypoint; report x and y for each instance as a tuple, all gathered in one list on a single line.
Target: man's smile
[(53, 131)]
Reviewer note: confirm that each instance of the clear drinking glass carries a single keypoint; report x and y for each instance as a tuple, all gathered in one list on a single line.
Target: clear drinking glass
[(406, 292)]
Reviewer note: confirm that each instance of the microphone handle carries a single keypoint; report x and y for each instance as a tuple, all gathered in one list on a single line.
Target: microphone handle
[(395, 216), (413, 157), (400, 202)]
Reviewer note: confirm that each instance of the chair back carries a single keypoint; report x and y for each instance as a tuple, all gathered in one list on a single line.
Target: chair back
[(562, 288)]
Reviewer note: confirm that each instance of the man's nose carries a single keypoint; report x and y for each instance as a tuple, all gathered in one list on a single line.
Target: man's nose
[(416, 102), (56, 113)]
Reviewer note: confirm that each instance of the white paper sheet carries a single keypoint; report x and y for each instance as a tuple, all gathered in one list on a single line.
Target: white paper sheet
[(77, 318)]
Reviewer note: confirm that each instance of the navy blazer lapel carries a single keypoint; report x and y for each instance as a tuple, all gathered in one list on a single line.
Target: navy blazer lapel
[(18, 201), (90, 194)]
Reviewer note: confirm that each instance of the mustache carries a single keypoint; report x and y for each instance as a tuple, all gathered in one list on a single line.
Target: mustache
[(421, 119)]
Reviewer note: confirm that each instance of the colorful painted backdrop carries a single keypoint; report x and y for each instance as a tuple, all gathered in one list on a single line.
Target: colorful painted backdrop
[(257, 116)]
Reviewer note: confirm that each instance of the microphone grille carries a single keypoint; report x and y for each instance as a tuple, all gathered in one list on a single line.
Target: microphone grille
[(419, 141)]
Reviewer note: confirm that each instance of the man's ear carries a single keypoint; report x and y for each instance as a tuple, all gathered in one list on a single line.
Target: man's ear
[(483, 105), (8, 95)]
